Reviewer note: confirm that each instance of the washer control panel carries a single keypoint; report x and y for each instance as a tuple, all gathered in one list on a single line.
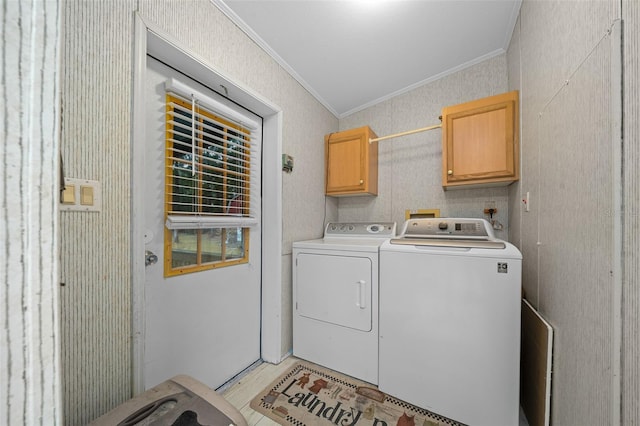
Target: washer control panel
[(448, 228), (360, 229)]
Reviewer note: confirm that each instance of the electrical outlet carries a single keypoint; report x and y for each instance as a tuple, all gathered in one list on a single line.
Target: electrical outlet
[(490, 208)]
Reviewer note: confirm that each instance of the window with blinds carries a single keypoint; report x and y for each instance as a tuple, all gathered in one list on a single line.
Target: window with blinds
[(208, 184)]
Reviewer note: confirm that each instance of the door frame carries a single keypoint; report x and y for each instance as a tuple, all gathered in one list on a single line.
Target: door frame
[(149, 39)]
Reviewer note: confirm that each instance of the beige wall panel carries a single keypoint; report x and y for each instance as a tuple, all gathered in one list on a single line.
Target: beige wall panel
[(567, 154), (410, 167), (555, 37), (576, 236), (94, 253), (631, 225)]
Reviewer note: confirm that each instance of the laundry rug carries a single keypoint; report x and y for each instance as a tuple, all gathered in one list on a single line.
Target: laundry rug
[(310, 395)]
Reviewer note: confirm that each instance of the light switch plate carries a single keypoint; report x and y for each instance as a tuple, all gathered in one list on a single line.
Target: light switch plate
[(81, 195), (86, 195), (69, 194)]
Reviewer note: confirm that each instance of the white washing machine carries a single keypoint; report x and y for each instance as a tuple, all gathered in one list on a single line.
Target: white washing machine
[(450, 320), (335, 298)]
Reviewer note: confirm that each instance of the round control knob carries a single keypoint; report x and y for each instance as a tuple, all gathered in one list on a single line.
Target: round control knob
[(443, 225)]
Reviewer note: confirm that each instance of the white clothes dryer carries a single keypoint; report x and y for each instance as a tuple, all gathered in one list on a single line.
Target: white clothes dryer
[(450, 297), (335, 298)]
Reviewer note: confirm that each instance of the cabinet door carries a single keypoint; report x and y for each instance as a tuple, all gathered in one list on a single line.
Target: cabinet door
[(351, 162), (480, 141)]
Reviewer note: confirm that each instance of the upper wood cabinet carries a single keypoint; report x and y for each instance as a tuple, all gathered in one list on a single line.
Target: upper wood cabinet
[(351, 162), (480, 142)]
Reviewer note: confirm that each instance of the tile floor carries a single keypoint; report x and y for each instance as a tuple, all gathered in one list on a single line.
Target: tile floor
[(242, 391)]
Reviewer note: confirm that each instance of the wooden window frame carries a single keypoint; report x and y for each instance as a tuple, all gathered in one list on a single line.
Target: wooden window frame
[(199, 266)]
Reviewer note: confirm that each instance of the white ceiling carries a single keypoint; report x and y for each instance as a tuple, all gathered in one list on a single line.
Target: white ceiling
[(351, 54)]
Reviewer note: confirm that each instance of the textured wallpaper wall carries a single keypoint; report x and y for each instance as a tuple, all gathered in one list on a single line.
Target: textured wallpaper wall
[(409, 168), (96, 144), (29, 160), (563, 60), (95, 247), (631, 225)]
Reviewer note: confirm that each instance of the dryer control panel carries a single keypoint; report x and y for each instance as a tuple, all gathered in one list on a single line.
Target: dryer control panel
[(360, 229)]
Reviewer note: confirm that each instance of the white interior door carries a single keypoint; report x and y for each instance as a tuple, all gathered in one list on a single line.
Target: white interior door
[(205, 324)]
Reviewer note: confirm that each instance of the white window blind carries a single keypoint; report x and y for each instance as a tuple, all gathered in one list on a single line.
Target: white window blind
[(212, 164)]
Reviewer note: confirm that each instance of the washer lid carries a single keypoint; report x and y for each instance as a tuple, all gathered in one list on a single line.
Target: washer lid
[(441, 242), (468, 248)]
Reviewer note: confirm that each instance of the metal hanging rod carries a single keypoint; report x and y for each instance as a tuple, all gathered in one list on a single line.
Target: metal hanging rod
[(409, 132)]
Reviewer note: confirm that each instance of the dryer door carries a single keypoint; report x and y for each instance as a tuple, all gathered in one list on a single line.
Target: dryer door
[(335, 289)]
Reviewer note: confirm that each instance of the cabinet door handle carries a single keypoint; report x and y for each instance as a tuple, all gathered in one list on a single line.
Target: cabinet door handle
[(450, 172), (361, 181)]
